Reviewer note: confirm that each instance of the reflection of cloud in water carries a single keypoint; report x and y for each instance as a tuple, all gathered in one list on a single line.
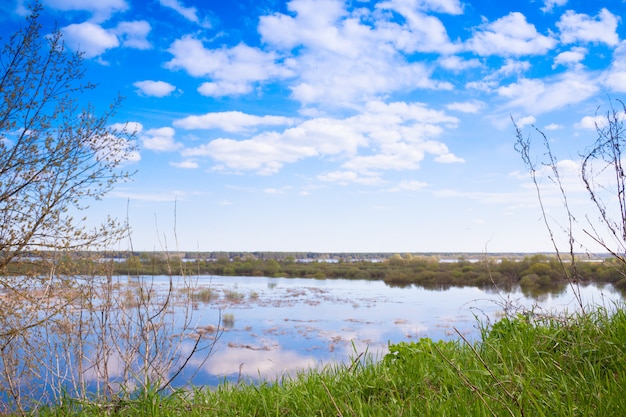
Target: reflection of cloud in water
[(269, 364), (269, 360), (411, 330), (294, 324), (95, 369), (352, 342)]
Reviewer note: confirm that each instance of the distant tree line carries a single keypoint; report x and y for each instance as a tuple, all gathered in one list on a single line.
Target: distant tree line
[(531, 271), (535, 271)]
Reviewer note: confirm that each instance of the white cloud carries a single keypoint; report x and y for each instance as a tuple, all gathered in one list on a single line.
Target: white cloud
[(615, 77), (396, 136), (553, 126), (115, 147), (472, 106), (160, 140), (578, 27), (189, 13), (224, 88), (233, 70), (453, 7), (422, 32), (133, 156), (89, 38), (570, 58), (513, 67), (231, 121), (339, 82), (93, 40), (133, 34), (510, 68), (187, 164), (101, 9), (130, 128), (448, 158), (456, 63), (342, 61), (316, 25), (525, 121), (401, 156), (154, 88), (617, 81), (597, 121), (265, 153), (510, 35), (550, 4), (540, 96)]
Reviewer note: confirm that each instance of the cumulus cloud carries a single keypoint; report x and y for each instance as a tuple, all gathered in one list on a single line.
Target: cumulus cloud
[(597, 121), (89, 38), (316, 24), (540, 96), (472, 106), (453, 7), (133, 34), (160, 140), (187, 164), (93, 40), (341, 60), (510, 35), (231, 121), (131, 127), (399, 156), (492, 81), (224, 88), (455, 63), (154, 88), (101, 9), (616, 80), (615, 77), (189, 13), (422, 32), (397, 136), (448, 158), (525, 121), (265, 153), (579, 27), (571, 58), (549, 5), (232, 70)]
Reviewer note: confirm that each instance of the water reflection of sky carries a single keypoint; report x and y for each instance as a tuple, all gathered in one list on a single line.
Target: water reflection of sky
[(285, 325)]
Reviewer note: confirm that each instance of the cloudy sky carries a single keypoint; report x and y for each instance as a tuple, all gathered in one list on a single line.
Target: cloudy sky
[(329, 125)]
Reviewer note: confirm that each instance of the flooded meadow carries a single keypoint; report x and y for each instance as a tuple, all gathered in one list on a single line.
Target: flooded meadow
[(270, 327)]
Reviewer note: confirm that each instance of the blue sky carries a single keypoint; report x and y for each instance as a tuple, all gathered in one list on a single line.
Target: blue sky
[(324, 125)]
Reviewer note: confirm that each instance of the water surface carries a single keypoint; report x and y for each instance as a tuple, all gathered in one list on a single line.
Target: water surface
[(277, 326)]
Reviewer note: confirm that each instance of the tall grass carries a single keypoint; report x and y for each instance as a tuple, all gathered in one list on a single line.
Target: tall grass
[(521, 366)]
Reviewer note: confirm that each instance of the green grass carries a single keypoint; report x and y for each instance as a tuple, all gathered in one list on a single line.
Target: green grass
[(522, 366)]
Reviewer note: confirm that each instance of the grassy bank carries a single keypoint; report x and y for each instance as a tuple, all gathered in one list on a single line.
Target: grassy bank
[(523, 366)]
